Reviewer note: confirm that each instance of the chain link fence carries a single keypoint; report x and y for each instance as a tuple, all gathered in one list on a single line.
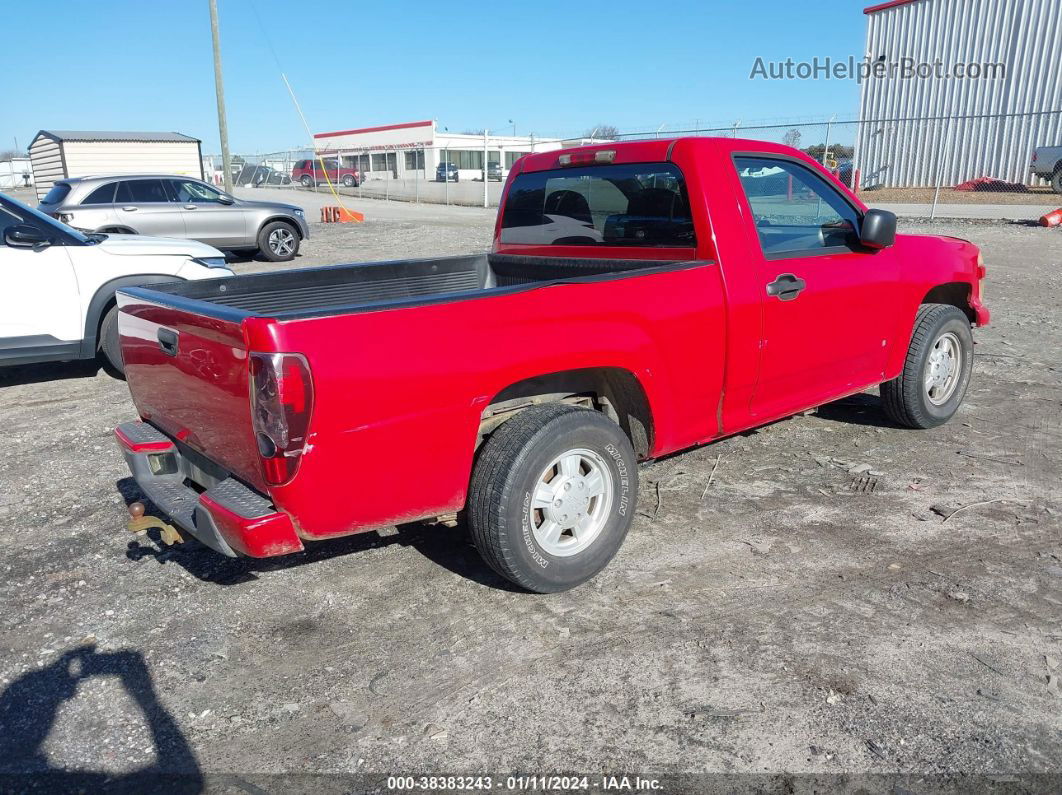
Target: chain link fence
[(967, 166), (974, 166)]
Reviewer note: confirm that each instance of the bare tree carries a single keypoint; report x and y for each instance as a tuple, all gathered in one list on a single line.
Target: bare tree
[(792, 138), (608, 131), (11, 154)]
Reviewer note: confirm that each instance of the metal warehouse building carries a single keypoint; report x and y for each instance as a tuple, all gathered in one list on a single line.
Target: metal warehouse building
[(941, 130), (55, 154), (397, 151)]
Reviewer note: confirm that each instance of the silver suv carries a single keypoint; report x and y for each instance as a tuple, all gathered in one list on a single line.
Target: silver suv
[(164, 205)]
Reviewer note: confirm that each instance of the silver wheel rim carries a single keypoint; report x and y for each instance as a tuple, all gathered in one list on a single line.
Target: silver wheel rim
[(281, 242), (943, 369), (570, 502)]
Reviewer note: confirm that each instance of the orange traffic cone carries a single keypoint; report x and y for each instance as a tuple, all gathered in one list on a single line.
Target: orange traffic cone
[(1052, 218)]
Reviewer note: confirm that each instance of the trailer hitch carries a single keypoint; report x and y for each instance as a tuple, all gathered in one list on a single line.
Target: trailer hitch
[(139, 524)]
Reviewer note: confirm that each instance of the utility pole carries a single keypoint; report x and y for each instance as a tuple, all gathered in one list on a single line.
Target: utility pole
[(485, 168), (223, 126)]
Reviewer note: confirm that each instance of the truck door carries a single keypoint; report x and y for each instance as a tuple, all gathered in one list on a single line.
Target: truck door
[(39, 304), (825, 319)]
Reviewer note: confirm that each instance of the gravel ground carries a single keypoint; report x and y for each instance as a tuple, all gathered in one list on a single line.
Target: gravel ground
[(794, 613)]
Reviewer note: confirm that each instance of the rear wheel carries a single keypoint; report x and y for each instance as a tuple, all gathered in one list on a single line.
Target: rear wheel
[(1056, 181), (108, 343), (552, 496), (306, 180), (936, 371), (278, 241)]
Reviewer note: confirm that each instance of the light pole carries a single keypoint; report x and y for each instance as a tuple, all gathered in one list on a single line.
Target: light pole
[(513, 123), (219, 88)]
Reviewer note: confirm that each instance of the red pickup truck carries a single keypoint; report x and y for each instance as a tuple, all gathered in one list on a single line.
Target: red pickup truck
[(639, 299)]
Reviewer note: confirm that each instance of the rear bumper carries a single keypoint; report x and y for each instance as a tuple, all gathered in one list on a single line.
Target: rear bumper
[(228, 517)]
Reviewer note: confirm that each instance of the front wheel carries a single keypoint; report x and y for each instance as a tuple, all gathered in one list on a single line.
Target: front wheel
[(552, 496), (278, 241), (936, 371), (1056, 181), (348, 181)]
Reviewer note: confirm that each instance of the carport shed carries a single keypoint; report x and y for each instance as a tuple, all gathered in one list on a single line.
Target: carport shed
[(55, 154)]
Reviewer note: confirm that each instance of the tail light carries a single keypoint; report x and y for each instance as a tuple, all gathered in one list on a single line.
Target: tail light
[(281, 405)]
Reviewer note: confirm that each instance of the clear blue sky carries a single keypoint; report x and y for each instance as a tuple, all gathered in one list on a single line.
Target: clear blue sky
[(556, 68)]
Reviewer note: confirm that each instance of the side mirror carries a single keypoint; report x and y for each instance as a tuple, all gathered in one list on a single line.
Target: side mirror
[(878, 230), (25, 236), (224, 198)]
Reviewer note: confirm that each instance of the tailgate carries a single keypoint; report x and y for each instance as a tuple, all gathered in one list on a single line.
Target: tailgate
[(188, 375)]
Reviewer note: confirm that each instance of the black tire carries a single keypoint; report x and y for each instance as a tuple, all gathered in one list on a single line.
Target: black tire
[(270, 248), (306, 180), (510, 466), (108, 343), (905, 399), (348, 181), (1056, 180)]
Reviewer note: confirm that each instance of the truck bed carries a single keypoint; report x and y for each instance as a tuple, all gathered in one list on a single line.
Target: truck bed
[(337, 289)]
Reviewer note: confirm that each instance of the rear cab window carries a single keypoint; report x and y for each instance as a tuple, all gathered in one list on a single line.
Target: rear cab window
[(629, 205)]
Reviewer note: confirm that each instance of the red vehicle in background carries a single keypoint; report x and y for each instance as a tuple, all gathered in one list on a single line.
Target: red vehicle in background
[(309, 173), (639, 299)]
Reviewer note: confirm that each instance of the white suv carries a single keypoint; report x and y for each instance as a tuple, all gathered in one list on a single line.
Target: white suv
[(57, 285)]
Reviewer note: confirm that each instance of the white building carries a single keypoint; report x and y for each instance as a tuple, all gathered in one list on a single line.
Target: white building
[(930, 130), (16, 173), (415, 149)]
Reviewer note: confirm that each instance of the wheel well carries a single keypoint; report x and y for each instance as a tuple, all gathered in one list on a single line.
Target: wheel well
[(955, 293), (613, 391), (283, 218)]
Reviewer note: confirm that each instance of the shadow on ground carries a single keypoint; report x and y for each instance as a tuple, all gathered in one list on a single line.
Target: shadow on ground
[(30, 704), (448, 547)]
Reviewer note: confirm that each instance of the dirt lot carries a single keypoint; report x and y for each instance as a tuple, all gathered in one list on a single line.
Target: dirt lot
[(817, 606)]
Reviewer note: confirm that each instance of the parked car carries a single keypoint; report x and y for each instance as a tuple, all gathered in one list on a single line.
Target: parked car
[(495, 172), (845, 171), (1047, 164), (57, 285), (447, 172), (171, 206), (309, 173), (521, 388), (257, 176)]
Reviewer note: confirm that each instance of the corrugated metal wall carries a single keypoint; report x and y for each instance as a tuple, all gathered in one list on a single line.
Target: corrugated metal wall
[(85, 158), (46, 158), (925, 132)]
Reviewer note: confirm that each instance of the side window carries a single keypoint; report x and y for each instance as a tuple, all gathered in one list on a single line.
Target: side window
[(141, 191), (795, 210), (102, 195), (190, 192)]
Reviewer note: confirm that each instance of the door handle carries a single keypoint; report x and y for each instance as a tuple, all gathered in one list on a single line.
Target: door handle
[(167, 338), (129, 209), (786, 287), (189, 207)]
